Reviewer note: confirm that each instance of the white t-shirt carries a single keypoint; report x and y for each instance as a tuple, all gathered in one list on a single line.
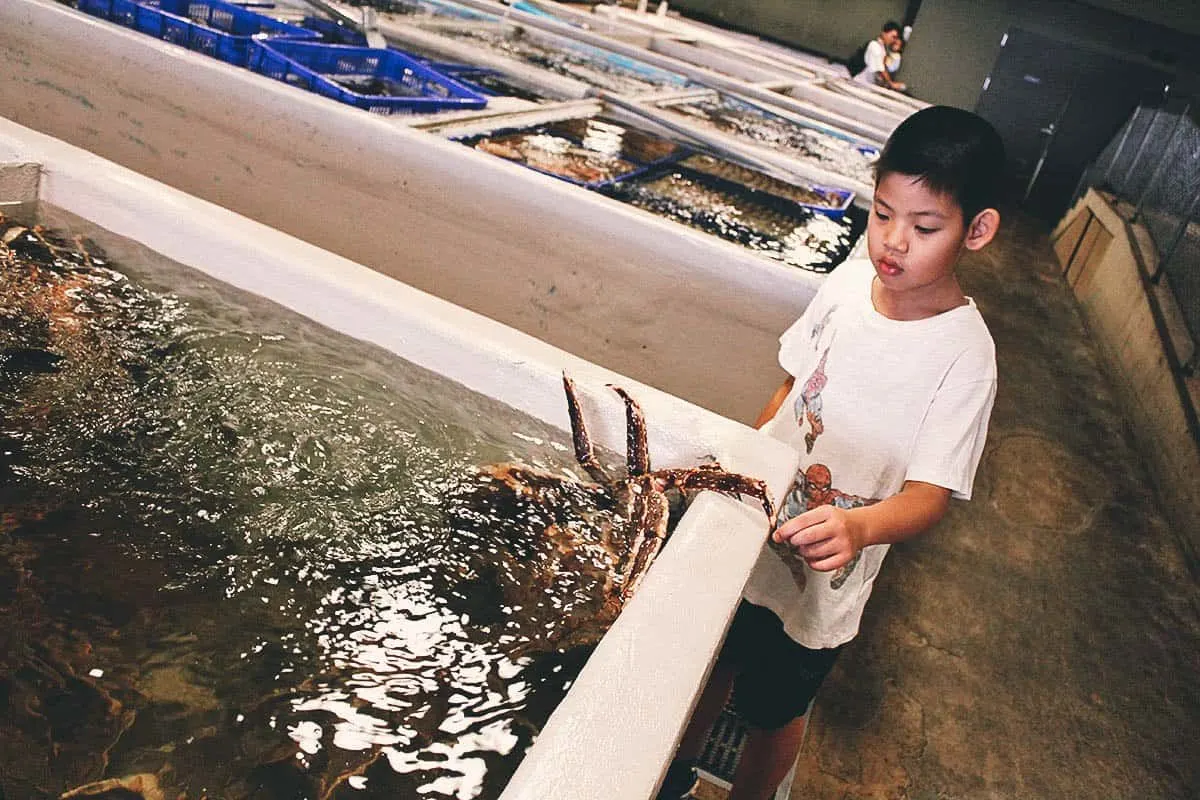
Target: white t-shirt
[(876, 402), (876, 57)]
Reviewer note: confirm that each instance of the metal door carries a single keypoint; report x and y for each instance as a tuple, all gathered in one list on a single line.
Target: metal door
[(1056, 105), (1025, 97)]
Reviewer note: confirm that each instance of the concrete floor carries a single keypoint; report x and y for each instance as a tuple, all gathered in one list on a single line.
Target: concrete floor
[(1044, 640)]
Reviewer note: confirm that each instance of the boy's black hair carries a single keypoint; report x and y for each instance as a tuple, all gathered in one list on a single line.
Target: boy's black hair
[(892, 25), (951, 151)]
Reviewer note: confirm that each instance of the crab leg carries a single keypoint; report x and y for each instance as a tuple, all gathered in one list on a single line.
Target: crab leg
[(648, 517), (637, 453), (584, 453), (715, 479)]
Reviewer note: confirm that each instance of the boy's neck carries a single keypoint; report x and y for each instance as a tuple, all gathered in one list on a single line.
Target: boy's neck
[(917, 304)]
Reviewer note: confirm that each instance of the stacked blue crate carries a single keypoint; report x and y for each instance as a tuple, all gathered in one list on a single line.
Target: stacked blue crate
[(356, 76), (213, 27), (241, 37)]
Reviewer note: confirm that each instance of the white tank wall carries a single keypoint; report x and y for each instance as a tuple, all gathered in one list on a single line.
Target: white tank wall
[(615, 731), (617, 286)]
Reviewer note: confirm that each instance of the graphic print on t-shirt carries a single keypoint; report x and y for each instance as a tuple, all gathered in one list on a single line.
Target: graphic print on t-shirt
[(819, 327), (813, 488), (808, 403)]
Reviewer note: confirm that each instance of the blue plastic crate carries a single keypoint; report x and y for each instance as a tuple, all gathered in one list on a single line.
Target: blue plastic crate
[(213, 27), (224, 30), (845, 198), (319, 67), (123, 12)]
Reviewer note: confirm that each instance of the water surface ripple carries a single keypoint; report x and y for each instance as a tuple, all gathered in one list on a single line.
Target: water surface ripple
[(243, 555)]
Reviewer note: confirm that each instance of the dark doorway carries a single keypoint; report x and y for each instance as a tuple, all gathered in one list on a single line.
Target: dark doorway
[(1057, 105)]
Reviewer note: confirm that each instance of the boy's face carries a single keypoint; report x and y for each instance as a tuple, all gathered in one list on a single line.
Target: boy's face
[(914, 237)]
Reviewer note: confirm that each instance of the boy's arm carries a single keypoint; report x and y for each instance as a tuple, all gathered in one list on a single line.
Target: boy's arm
[(775, 402), (828, 537)]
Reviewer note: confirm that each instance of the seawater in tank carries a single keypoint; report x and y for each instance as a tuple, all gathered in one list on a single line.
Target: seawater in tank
[(426, 8), (781, 220), (731, 115), (737, 204), (594, 66), (241, 551)]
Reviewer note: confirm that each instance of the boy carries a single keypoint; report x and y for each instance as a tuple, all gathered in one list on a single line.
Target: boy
[(892, 379)]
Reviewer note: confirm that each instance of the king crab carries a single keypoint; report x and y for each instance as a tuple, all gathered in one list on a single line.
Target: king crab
[(608, 529)]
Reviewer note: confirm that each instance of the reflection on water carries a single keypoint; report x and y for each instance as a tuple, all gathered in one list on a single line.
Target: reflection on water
[(597, 68), (587, 151), (732, 116), (557, 156), (492, 82), (746, 208), (812, 196), (424, 8), (233, 556), (715, 195)]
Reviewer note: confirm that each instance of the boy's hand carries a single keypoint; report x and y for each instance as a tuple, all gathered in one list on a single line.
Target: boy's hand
[(826, 537)]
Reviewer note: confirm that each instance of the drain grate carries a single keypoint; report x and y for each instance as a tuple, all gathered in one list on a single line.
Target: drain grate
[(724, 746), (723, 749)]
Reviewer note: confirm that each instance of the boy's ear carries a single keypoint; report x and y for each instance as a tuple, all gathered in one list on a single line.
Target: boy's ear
[(982, 229)]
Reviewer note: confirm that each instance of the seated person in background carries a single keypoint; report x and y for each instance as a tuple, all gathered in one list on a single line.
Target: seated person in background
[(876, 54)]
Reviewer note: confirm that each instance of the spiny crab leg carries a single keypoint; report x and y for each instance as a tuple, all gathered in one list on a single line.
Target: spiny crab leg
[(649, 520), (647, 509), (637, 454), (713, 478), (584, 453), (651, 509)]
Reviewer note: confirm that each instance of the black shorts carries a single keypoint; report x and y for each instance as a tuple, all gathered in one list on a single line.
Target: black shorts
[(776, 678)]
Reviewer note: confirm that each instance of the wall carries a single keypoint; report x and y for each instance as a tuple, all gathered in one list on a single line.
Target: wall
[(1131, 321), (1182, 15), (951, 50), (828, 27), (954, 42)]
